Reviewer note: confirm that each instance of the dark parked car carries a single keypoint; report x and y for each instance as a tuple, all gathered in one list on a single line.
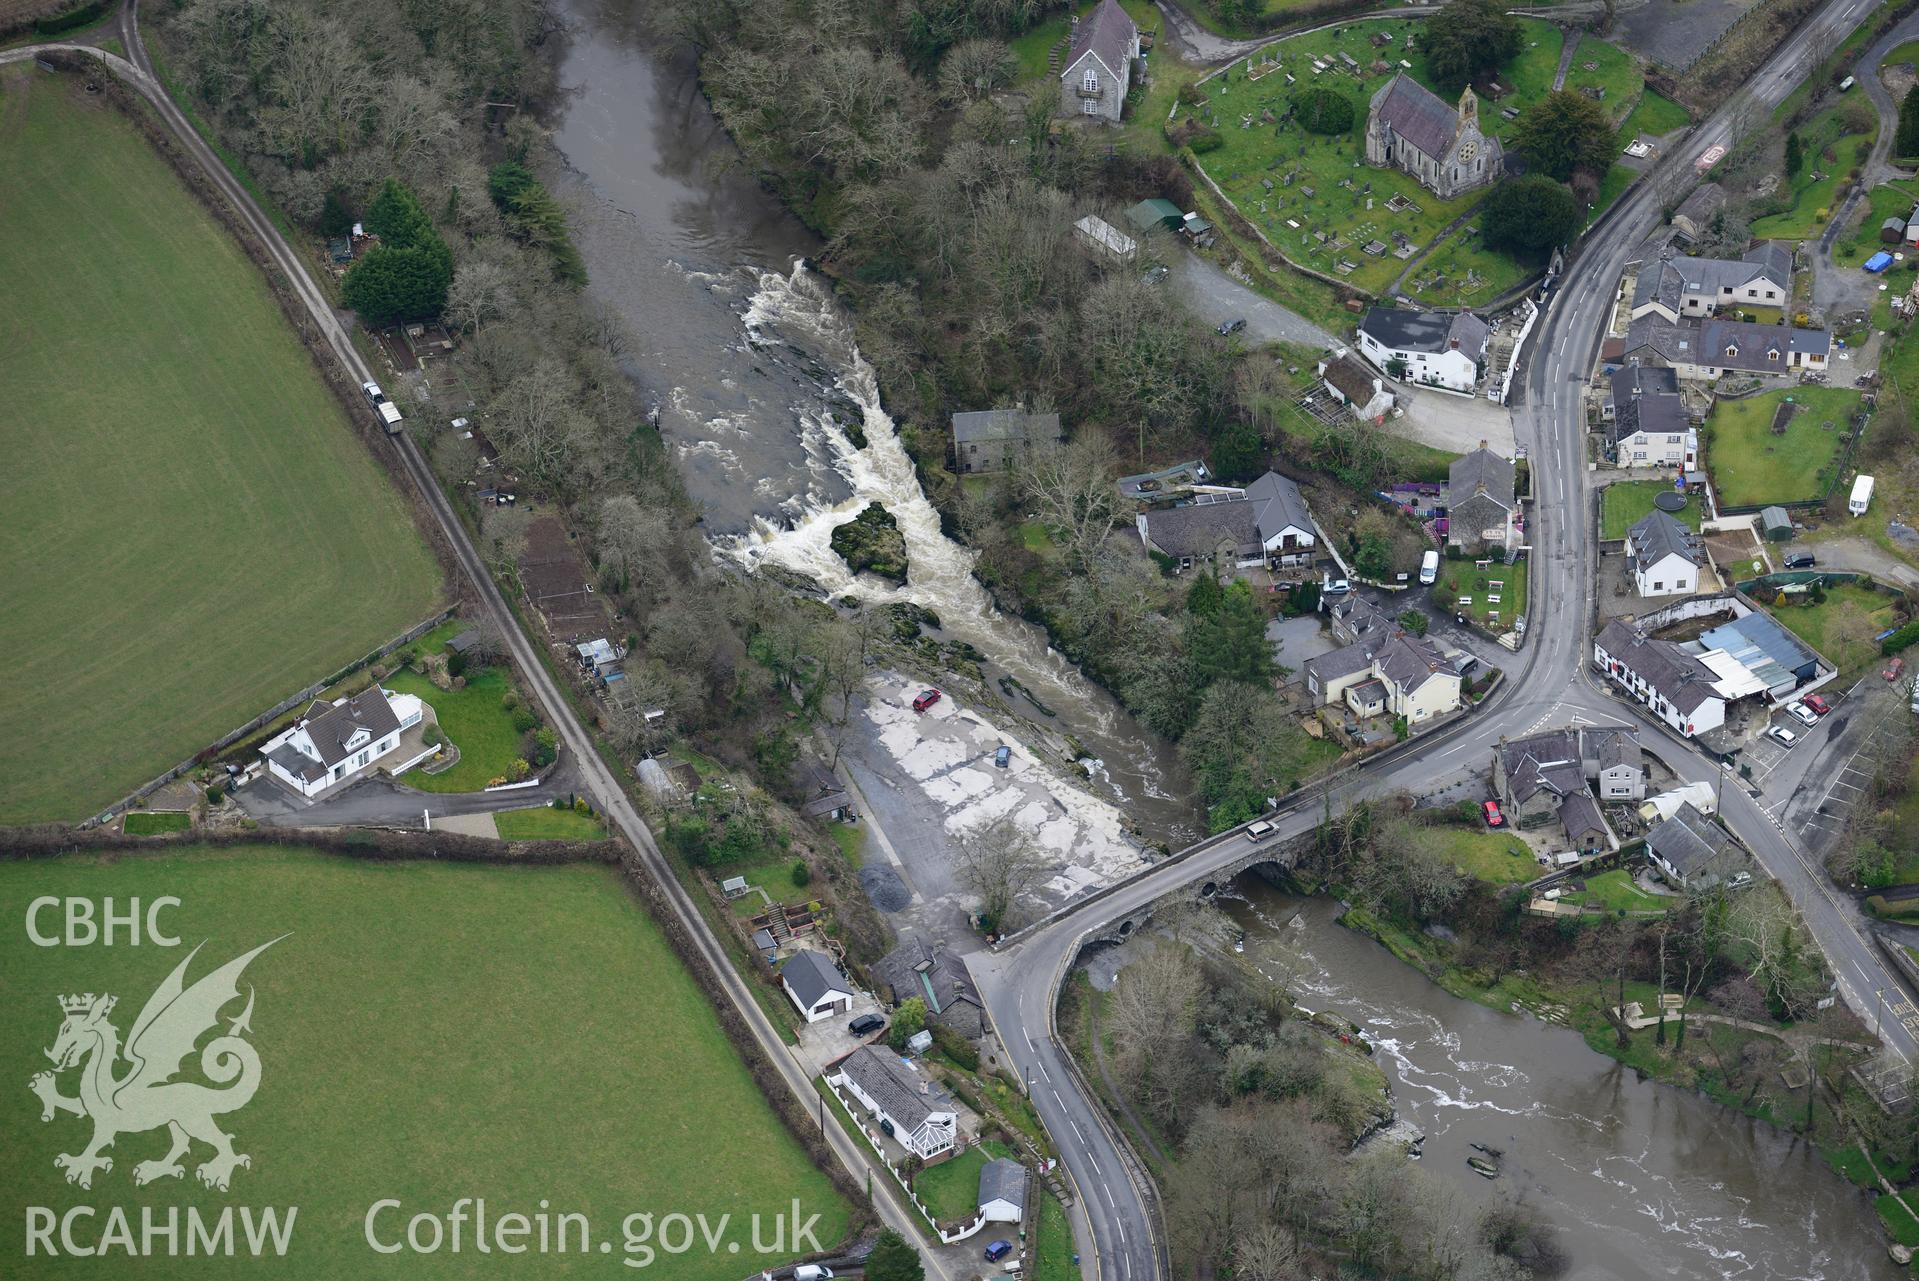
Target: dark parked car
[(1003, 757), (865, 1024), (998, 1250), (1232, 327), (1800, 560)]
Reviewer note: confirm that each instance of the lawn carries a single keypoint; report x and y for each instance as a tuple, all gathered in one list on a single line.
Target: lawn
[(473, 719), (851, 839), (951, 1188), (154, 822), (1474, 588), (1608, 69), (1751, 466), (1626, 503), (1497, 858), (1615, 890), (196, 532), (1462, 272), (1882, 202), (1256, 152), (428, 1031), (544, 823), (1830, 155), (1053, 1244), (1847, 643), (1898, 1219), (1654, 114)]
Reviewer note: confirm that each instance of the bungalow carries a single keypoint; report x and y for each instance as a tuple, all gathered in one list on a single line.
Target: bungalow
[(1479, 500), (1665, 556), (986, 440), (815, 985), (1352, 384), (1678, 287), (916, 1114), (335, 741), (1676, 685), (936, 976), (1002, 1190), (1433, 348), (1691, 851), (1266, 523), (1402, 675)]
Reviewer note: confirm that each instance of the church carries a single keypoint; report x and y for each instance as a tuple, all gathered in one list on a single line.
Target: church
[(1412, 129)]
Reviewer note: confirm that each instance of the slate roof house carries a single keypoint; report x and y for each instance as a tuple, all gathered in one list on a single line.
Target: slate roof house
[(1647, 423), (1665, 556), (986, 440), (1410, 128), (1266, 523), (936, 976), (1551, 776), (1002, 1190), (1479, 500), (1398, 674), (1691, 851), (918, 1115), (1677, 686), (336, 741), (1354, 385), (815, 985), (1435, 348), (1675, 288), (1099, 66), (1701, 352)]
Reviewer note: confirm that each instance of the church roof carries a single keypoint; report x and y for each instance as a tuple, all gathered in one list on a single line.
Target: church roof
[(1417, 114)]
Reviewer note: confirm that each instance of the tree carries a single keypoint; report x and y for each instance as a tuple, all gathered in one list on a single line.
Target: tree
[(1323, 111), (1154, 1013), (1414, 621), (894, 1258), (908, 1021), (1906, 141), (406, 276), (1529, 217), (1071, 490), (974, 68), (632, 539), (998, 863), (1795, 155), (1230, 642), (1468, 40), (1565, 131), (533, 215)]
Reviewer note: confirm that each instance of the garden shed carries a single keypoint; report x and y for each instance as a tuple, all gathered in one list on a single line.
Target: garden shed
[(1776, 524)]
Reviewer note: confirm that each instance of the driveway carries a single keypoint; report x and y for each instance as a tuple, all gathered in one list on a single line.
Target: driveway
[(1456, 424), (1861, 555), (1216, 297), (381, 802)]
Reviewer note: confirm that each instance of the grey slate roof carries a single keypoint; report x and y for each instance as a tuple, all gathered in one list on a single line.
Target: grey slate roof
[(1678, 677), (1416, 114), (1002, 1179), (1754, 341), (1579, 813), (1107, 33), (1706, 200), (1611, 748), (1343, 661), (1480, 472), (1270, 504), (331, 729), (1003, 424), (1646, 398), (1548, 761), (1658, 535), (930, 972), (891, 1083), (1429, 331), (300, 766), (812, 976), (1689, 841), (1670, 279), (1280, 504), (1641, 380), (1410, 661), (1355, 616)]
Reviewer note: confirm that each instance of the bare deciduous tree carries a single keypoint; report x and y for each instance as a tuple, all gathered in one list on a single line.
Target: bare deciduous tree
[(998, 863), (1070, 488)]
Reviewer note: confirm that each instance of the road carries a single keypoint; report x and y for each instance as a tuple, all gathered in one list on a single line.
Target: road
[(596, 779), (1551, 685), (1827, 289)]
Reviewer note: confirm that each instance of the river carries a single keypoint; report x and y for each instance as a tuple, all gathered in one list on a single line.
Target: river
[(748, 357)]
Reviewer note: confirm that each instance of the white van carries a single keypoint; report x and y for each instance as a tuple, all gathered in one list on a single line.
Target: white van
[(812, 1272), (1260, 831), (1429, 568)]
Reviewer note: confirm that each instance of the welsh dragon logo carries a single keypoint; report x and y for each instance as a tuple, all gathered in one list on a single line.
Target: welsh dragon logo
[(146, 1096)]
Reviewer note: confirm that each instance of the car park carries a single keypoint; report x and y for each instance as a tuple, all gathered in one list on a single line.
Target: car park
[(926, 698), (1801, 713), (1493, 817), (1781, 735)]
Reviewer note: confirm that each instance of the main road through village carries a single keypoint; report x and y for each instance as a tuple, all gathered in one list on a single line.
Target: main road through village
[(1549, 686)]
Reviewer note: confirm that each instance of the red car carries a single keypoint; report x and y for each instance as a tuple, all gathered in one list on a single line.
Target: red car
[(1818, 703), (1894, 669), (926, 699), (1493, 817)]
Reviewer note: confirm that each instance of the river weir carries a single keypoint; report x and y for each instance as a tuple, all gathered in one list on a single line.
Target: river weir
[(778, 429)]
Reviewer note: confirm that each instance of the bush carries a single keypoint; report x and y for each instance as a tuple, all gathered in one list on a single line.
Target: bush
[(523, 720), (802, 874), (215, 796), (1901, 639), (1323, 111), (1204, 140), (520, 769), (456, 664), (431, 736), (85, 15)]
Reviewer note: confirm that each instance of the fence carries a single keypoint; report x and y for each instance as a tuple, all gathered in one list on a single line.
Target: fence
[(947, 1236), (279, 709)]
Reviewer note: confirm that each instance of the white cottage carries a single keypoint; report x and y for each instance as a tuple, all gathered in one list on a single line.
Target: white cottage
[(337, 741)]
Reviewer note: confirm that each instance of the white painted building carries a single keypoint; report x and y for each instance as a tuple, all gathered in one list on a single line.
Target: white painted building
[(337, 741), (1665, 556), (910, 1109), (1680, 688), (1428, 348), (815, 985)]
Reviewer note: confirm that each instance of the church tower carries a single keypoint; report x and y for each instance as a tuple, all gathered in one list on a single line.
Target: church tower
[(1468, 111)]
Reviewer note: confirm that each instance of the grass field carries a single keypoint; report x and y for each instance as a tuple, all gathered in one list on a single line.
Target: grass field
[(1494, 857), (427, 1031), (1842, 629), (474, 720), (1053, 1243), (544, 823), (1751, 465), (1653, 115), (195, 533), (153, 822), (1625, 504)]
